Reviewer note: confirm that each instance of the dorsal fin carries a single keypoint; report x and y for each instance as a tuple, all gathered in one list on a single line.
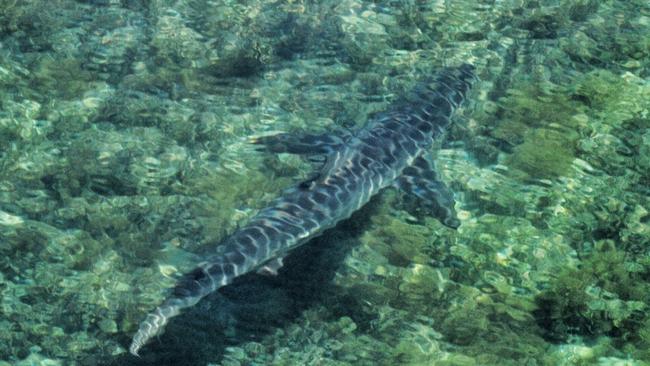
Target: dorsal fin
[(420, 182)]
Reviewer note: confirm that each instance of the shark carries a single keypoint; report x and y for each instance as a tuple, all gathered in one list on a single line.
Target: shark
[(391, 150)]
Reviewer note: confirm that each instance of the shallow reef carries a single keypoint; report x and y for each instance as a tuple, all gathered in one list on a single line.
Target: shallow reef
[(124, 151)]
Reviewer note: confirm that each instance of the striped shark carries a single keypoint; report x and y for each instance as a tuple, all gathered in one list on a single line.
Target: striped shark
[(390, 150)]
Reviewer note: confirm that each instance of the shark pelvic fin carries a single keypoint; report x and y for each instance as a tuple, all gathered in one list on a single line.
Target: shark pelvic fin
[(271, 267), (426, 193)]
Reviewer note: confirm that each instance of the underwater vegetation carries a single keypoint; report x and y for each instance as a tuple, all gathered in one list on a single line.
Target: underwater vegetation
[(123, 151)]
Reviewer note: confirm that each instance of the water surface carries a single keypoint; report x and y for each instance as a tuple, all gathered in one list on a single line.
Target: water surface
[(123, 151)]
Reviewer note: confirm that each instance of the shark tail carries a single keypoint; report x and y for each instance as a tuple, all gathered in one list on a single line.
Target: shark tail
[(192, 287)]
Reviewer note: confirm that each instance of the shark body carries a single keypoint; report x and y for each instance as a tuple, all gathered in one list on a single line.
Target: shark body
[(390, 150)]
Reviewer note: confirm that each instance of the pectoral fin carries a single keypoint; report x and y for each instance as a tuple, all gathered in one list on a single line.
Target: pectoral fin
[(317, 149), (427, 194), (303, 144)]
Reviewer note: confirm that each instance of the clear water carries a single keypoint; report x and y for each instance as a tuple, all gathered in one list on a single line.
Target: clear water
[(123, 152)]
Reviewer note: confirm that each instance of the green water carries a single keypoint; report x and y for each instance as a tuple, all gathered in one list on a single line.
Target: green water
[(123, 151)]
